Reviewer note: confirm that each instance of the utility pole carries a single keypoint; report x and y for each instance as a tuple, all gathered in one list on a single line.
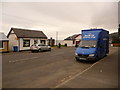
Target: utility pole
[(56, 38)]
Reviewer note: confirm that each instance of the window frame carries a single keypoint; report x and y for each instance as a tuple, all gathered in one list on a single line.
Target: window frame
[(26, 40), (36, 42), (1, 45), (43, 41)]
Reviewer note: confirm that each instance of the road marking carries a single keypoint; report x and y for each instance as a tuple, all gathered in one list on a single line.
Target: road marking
[(22, 60), (74, 76)]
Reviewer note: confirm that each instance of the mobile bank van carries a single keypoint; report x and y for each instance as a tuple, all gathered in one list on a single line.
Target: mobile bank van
[(94, 45)]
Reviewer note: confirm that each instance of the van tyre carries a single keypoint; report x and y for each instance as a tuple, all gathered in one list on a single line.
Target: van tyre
[(76, 59)]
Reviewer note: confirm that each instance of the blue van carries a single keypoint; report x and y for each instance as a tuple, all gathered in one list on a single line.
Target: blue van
[(94, 45)]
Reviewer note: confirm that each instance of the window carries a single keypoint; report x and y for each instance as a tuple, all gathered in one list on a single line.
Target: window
[(42, 41), (1, 44), (35, 41), (88, 43), (41, 45), (26, 43)]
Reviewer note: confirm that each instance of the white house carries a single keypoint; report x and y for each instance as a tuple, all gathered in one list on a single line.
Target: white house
[(3, 43), (73, 40), (23, 38)]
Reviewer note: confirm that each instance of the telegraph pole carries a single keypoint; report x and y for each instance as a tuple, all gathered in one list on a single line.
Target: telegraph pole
[(56, 38)]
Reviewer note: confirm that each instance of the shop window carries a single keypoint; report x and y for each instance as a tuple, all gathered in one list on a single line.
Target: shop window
[(26, 43), (1, 44)]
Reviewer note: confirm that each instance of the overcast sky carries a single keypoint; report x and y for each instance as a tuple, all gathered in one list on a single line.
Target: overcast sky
[(66, 18)]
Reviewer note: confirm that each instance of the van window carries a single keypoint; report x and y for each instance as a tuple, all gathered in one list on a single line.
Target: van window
[(88, 43)]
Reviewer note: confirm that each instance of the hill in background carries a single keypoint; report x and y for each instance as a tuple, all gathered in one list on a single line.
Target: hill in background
[(114, 37)]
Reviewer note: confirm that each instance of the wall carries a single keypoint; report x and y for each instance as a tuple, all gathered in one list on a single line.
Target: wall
[(79, 37), (31, 42), (13, 41), (69, 42), (5, 47)]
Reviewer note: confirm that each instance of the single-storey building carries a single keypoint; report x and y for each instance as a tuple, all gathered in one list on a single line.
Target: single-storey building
[(51, 42), (24, 38), (73, 40), (4, 43)]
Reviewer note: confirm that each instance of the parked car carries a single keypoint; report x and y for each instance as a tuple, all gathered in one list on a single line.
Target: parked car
[(40, 47)]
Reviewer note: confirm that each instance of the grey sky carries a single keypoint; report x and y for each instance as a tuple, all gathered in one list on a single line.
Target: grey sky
[(66, 18)]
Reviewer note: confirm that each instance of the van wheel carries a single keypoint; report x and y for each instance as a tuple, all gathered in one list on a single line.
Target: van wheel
[(77, 59), (97, 59)]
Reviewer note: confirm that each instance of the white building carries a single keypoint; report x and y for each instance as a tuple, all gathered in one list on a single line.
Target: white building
[(23, 38), (4, 42), (73, 40)]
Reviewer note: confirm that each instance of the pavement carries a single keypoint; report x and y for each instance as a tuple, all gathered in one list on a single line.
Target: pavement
[(58, 69)]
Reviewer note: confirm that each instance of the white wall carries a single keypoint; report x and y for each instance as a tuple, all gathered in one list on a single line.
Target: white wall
[(12, 41), (79, 37), (69, 42), (21, 44), (31, 42)]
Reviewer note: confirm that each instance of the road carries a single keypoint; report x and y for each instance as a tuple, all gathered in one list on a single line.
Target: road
[(58, 69)]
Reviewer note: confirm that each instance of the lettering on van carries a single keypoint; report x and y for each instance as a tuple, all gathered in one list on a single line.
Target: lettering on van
[(89, 36)]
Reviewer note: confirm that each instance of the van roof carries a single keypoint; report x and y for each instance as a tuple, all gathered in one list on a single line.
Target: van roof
[(95, 30)]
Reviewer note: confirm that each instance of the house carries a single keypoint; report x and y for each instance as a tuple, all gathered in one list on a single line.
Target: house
[(23, 38), (73, 40), (51, 42), (3, 43)]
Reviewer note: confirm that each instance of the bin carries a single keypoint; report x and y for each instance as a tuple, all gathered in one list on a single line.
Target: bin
[(15, 48)]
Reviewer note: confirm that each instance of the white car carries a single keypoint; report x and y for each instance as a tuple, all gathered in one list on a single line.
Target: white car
[(40, 47)]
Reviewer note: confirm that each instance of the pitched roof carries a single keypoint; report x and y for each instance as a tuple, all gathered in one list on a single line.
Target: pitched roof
[(3, 37), (72, 37), (25, 33)]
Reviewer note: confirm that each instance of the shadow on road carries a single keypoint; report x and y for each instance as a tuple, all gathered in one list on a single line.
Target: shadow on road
[(90, 61)]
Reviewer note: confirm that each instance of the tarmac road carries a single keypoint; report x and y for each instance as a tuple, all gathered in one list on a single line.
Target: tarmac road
[(58, 69)]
